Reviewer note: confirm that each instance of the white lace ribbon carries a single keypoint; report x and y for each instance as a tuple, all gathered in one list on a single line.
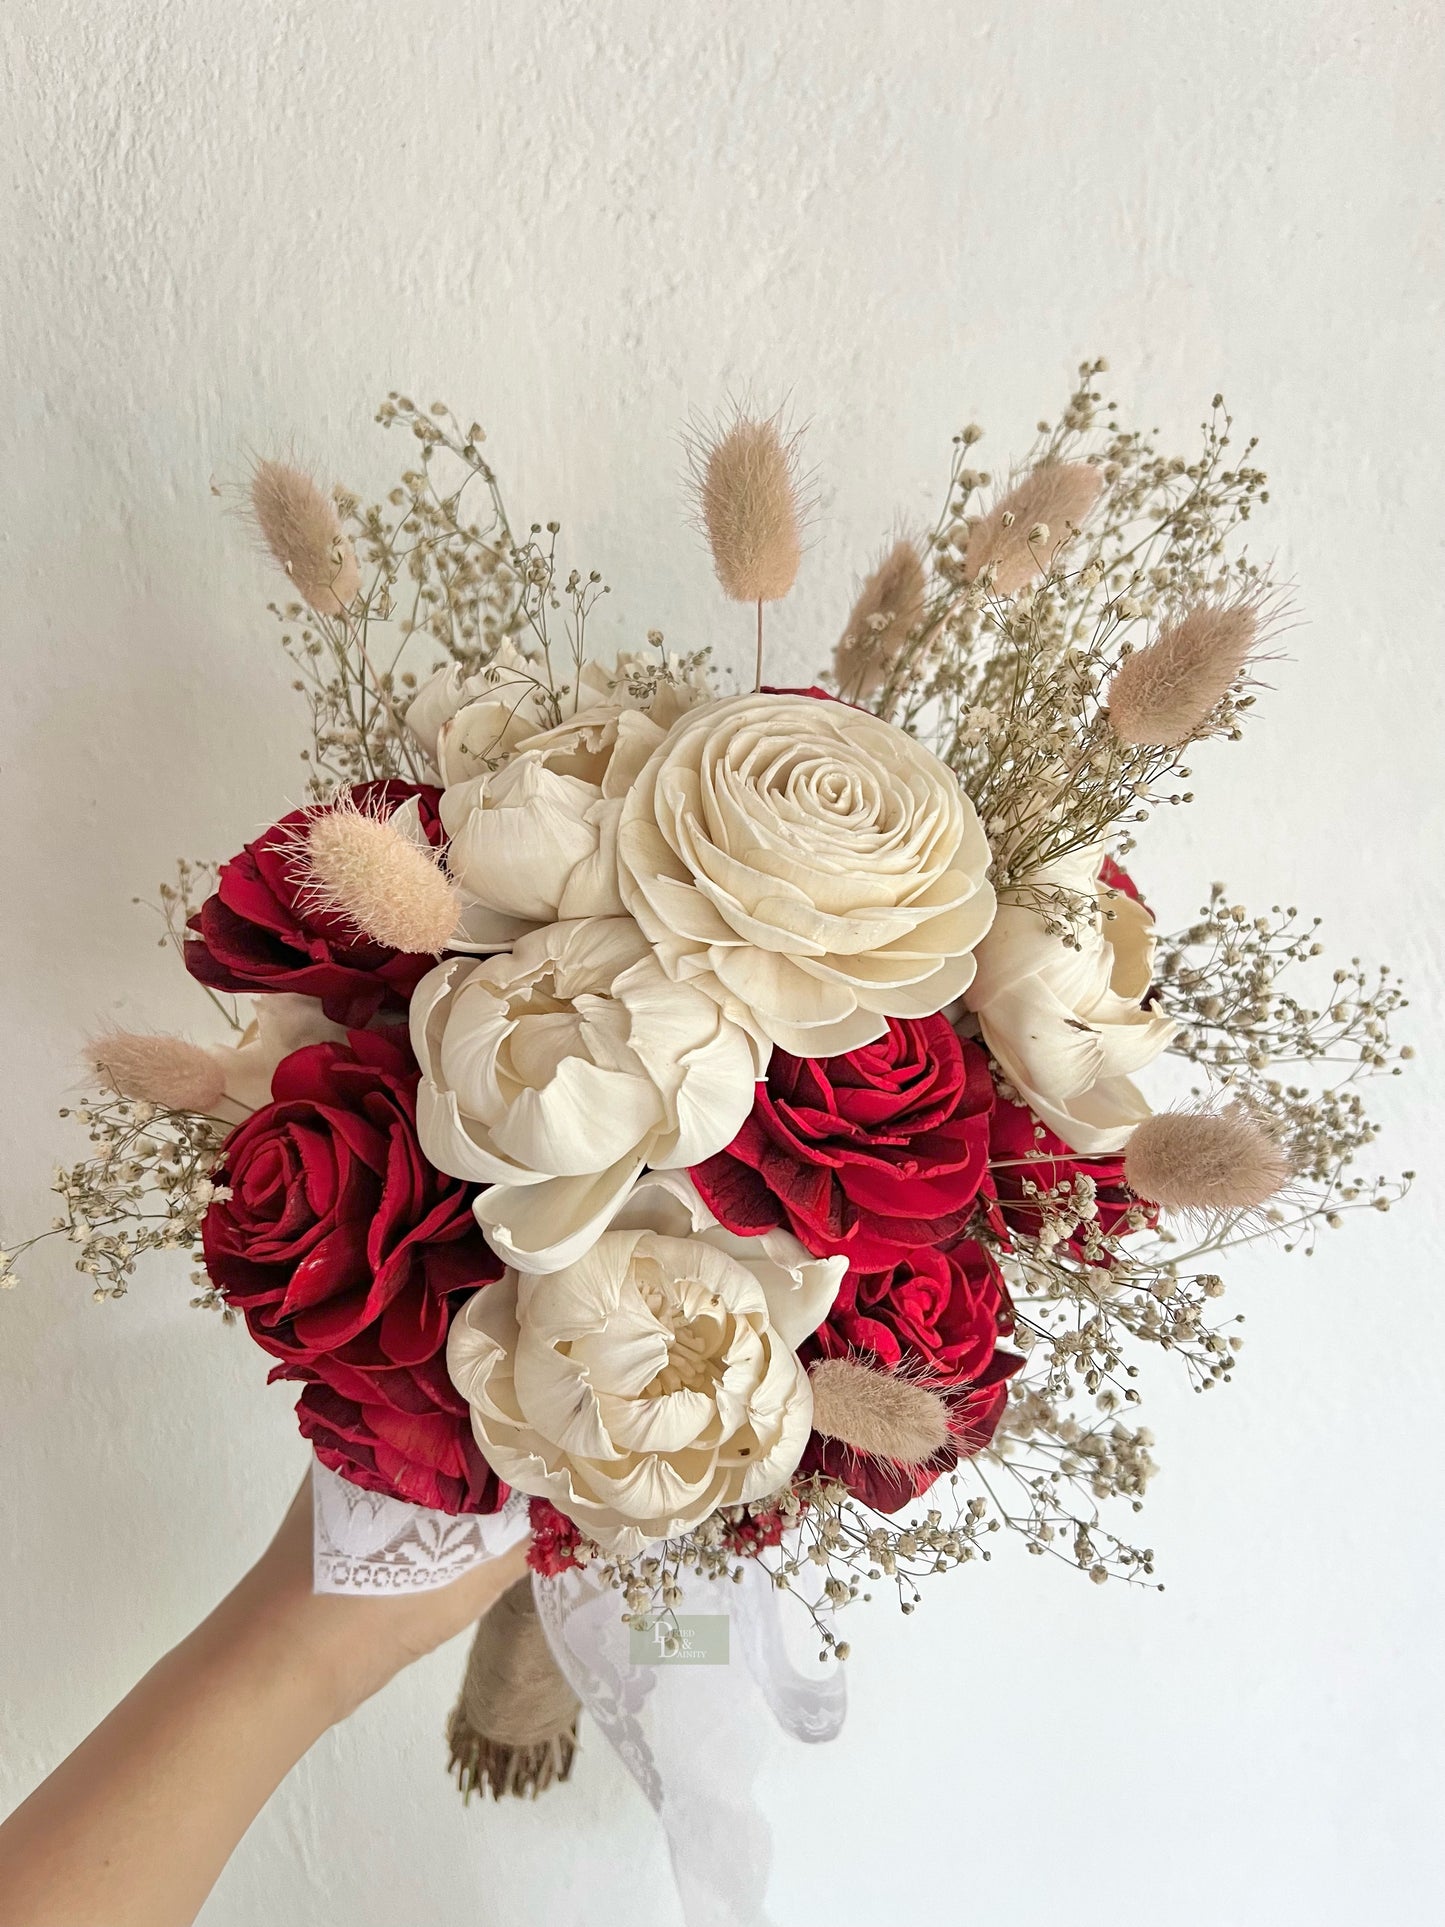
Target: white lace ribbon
[(687, 1733), (365, 1543)]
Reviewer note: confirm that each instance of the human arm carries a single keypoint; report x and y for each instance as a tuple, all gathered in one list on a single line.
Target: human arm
[(134, 1827)]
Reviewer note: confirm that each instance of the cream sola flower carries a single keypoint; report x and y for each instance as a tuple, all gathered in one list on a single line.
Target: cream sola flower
[(809, 866), (1068, 1026), (653, 1380), (501, 704), (553, 1073), (531, 806)]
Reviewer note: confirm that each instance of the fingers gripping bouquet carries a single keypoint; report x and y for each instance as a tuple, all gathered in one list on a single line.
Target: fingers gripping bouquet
[(715, 1114)]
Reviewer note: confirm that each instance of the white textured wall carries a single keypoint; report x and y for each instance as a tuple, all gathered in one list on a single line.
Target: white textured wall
[(226, 226)]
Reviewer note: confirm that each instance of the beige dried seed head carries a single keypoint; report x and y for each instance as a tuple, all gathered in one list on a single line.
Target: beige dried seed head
[(1164, 695), (1205, 1161), (167, 1071), (1026, 528), (889, 608), (745, 475), (876, 1412), (300, 527), (362, 867)]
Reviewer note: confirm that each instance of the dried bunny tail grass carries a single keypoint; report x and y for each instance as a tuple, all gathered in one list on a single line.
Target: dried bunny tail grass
[(889, 608), (167, 1071), (1165, 694), (300, 526), (877, 1412), (362, 867), (1208, 1161), (1026, 528), (750, 502)]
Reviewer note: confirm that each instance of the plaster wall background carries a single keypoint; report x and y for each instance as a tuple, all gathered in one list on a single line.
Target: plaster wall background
[(234, 228)]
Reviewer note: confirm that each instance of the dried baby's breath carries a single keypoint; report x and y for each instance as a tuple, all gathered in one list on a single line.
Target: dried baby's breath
[(1011, 690), (145, 1187)]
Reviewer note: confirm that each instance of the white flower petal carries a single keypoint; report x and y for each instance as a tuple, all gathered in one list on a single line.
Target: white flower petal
[(543, 1224), (482, 930), (648, 1383), (584, 1116), (557, 1071), (770, 833), (517, 835), (1066, 1022)]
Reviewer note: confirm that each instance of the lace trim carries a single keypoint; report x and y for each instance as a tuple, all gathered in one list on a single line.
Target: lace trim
[(365, 1543)]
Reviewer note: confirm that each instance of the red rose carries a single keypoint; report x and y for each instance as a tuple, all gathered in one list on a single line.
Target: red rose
[(974, 1414), (408, 1435), (348, 1255), (940, 1313), (259, 932), (1026, 1161), (867, 1155)]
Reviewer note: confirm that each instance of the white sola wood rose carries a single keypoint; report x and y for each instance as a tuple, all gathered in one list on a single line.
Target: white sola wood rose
[(813, 868), (1069, 1026), (468, 723), (654, 1380), (530, 810), (555, 1072)]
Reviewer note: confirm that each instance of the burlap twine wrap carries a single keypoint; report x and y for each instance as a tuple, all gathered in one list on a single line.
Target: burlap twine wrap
[(514, 1729)]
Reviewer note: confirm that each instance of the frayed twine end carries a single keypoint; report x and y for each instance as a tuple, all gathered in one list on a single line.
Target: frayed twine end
[(480, 1765)]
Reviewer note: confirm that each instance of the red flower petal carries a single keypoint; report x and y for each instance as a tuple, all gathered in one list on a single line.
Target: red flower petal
[(259, 932), (867, 1155)]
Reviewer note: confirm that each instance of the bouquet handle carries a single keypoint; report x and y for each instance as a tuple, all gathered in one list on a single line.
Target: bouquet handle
[(514, 1728)]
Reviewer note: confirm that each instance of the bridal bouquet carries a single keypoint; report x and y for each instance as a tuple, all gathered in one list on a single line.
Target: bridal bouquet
[(711, 1111)]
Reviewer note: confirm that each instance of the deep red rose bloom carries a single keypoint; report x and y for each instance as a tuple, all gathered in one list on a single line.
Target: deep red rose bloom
[(867, 1155), (939, 1313), (1022, 1152), (259, 933), (974, 1414), (410, 1438), (348, 1255)]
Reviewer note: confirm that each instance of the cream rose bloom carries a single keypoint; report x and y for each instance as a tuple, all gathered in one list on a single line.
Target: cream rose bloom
[(555, 1072), (652, 1381), (531, 811), (1068, 1027), (810, 866), (470, 723)]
